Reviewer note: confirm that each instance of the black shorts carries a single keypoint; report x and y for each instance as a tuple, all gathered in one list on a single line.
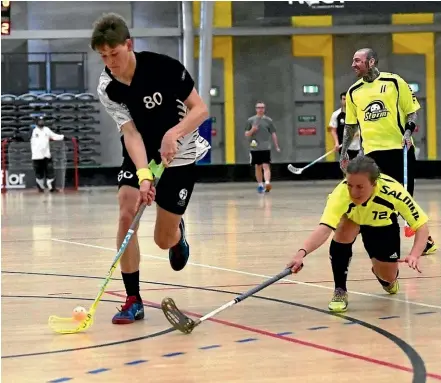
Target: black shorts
[(259, 157), (174, 189), (382, 243), (391, 163)]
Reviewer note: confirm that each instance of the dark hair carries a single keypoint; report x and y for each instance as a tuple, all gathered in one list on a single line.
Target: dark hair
[(363, 164), (370, 54), (110, 29), (260, 102), (342, 94)]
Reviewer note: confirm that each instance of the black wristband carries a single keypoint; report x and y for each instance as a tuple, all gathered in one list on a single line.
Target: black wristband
[(306, 253), (410, 125)]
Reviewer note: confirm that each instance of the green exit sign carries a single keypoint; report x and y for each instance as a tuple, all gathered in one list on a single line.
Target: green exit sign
[(213, 120), (307, 119)]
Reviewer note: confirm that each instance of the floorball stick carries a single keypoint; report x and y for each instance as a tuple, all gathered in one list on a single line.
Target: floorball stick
[(408, 232), (69, 325), (183, 323), (298, 171)]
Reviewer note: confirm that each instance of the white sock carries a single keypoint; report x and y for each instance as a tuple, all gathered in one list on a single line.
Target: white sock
[(40, 182), (267, 182), (261, 184), (49, 183)]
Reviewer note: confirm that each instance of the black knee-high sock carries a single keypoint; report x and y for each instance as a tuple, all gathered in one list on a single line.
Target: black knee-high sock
[(340, 255), (131, 283)]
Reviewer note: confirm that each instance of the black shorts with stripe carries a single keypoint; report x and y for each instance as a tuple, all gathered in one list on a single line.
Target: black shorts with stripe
[(382, 243)]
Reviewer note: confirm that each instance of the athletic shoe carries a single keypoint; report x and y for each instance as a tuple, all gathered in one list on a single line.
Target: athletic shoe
[(179, 254), (261, 189), (431, 247), (339, 302), (131, 311), (268, 188), (393, 288)]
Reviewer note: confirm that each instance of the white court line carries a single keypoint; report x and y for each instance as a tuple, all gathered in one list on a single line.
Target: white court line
[(255, 275)]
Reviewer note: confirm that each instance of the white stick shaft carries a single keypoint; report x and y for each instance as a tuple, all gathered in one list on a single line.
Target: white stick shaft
[(218, 310)]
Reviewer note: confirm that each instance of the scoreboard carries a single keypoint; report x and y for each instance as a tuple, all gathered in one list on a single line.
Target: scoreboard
[(6, 17)]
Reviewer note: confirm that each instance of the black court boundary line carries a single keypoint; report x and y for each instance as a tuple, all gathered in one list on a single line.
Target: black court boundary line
[(418, 365)]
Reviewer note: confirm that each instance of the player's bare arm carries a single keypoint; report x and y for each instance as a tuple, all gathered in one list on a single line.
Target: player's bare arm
[(316, 239), (197, 114), (419, 245), (348, 136), (409, 128), (137, 152)]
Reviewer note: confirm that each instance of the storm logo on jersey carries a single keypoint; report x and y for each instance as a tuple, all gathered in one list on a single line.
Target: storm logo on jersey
[(374, 111)]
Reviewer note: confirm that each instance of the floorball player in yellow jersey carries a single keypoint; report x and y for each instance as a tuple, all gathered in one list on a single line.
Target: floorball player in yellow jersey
[(367, 202)]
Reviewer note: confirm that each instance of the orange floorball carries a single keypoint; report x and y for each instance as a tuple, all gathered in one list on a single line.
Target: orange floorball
[(79, 313)]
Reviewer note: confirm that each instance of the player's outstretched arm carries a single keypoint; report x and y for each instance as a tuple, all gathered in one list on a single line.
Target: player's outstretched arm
[(419, 244), (316, 239)]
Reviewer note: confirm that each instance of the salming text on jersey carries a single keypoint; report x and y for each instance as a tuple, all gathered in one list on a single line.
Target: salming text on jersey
[(389, 198), (154, 101)]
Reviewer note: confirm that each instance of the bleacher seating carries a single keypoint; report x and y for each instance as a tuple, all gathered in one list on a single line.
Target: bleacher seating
[(74, 115)]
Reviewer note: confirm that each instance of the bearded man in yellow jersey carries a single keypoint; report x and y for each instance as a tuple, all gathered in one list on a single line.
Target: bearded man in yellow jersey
[(367, 202)]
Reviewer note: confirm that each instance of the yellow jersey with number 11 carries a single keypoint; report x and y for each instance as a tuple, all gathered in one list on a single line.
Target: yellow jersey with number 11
[(380, 108)]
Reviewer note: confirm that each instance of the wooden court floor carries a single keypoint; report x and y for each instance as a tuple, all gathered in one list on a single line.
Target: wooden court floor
[(57, 248)]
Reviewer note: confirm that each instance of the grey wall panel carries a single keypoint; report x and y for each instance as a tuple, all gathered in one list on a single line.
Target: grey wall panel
[(438, 90), (251, 13), (155, 14), (164, 45), (73, 14), (380, 19), (263, 71)]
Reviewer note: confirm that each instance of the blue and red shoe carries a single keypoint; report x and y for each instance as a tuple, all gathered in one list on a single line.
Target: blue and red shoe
[(131, 311)]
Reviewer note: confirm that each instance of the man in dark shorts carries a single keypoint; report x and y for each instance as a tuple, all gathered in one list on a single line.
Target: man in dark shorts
[(152, 99), (337, 126), (260, 131)]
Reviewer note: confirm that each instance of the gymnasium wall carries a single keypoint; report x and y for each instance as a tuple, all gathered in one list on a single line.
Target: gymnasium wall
[(262, 66)]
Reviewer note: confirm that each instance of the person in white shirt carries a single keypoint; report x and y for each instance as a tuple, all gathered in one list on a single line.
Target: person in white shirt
[(337, 126), (41, 155)]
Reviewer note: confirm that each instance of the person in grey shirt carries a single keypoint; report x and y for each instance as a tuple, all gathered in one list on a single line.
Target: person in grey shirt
[(260, 131)]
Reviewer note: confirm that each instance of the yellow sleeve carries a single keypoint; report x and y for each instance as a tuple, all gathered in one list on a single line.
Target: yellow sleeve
[(336, 207), (351, 111), (410, 210), (407, 100)]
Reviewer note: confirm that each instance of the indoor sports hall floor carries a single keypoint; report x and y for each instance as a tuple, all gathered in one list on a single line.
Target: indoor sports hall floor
[(57, 248)]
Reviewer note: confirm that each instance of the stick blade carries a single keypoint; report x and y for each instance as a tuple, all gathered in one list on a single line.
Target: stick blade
[(294, 170), (176, 318), (63, 325)]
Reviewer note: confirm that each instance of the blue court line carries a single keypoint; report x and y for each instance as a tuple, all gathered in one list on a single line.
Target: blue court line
[(60, 380), (135, 362), (348, 323), (209, 347), (426, 313), (173, 354), (246, 340), (98, 371), (317, 328), (285, 333)]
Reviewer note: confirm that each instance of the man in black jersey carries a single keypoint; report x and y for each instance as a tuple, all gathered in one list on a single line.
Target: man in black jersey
[(152, 99), (336, 127)]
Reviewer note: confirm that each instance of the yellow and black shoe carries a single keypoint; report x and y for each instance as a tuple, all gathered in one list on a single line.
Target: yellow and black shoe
[(393, 288), (431, 247), (339, 302)]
